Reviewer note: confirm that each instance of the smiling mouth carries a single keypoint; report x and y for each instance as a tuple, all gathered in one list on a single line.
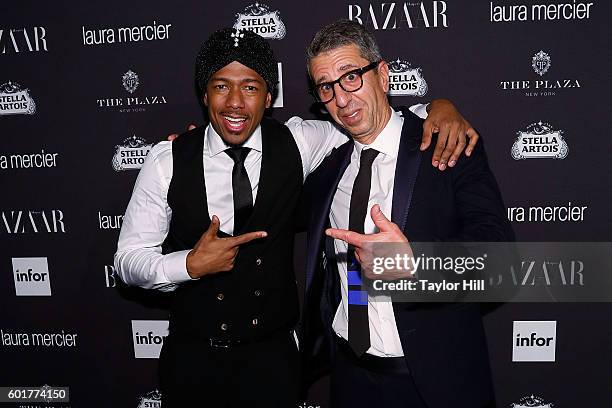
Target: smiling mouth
[(234, 123)]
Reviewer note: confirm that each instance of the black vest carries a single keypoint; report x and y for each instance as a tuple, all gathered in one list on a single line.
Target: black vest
[(258, 296)]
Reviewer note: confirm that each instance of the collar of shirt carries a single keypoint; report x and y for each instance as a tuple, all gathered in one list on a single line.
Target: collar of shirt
[(214, 144), (387, 142)]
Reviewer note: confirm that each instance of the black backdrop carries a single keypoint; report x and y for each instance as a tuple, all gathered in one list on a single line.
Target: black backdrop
[(63, 209)]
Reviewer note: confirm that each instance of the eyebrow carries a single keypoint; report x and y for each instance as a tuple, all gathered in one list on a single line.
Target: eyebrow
[(243, 81), (345, 67)]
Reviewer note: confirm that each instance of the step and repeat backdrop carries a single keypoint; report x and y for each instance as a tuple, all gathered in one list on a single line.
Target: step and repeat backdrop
[(86, 88)]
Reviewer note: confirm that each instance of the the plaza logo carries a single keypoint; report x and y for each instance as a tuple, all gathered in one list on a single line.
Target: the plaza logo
[(534, 341), (131, 154), (541, 63), (15, 101), (397, 16), (110, 35), (19, 40), (130, 82), (405, 79), (259, 19), (149, 336), (31, 277), (151, 399), (531, 402), (505, 13), (539, 140), (32, 222)]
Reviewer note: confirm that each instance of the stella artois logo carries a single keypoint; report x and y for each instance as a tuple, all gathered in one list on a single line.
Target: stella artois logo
[(531, 402), (151, 399), (130, 81), (131, 154), (259, 19), (539, 140), (15, 101), (540, 63), (406, 80)]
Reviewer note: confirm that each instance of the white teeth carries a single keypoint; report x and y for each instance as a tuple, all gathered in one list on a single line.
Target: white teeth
[(234, 120), (353, 114)]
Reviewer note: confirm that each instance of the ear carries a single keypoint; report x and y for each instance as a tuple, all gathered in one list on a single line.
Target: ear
[(205, 98), (383, 74), (268, 100)]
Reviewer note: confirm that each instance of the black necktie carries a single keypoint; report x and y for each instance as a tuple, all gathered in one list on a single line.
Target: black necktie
[(358, 322), (241, 188)]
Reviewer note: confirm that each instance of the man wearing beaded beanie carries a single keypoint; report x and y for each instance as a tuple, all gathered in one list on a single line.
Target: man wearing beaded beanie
[(212, 218)]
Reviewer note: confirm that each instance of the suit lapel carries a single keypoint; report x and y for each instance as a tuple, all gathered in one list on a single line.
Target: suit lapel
[(320, 209), (406, 169)]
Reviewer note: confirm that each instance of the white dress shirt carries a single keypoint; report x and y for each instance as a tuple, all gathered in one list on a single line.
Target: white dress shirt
[(384, 338), (139, 260)]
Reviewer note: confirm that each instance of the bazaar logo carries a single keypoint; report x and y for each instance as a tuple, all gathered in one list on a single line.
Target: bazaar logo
[(406, 80), (539, 140), (259, 19), (130, 81), (151, 399), (531, 402), (16, 101), (540, 63), (131, 154)]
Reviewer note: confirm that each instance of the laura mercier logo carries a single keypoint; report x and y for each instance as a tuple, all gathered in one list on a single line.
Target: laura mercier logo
[(15, 101), (531, 402), (259, 19), (131, 154), (406, 80), (539, 140), (151, 399)]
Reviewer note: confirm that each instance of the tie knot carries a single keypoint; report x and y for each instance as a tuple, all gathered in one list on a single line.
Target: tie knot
[(367, 157), (238, 154)]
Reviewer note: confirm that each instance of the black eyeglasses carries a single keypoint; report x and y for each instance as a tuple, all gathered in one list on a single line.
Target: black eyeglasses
[(350, 82)]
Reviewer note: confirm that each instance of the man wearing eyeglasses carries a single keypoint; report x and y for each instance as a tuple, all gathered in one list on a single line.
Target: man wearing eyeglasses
[(379, 187), (212, 218)]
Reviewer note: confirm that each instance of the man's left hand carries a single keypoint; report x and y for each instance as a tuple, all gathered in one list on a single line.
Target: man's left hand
[(453, 130), (389, 232)]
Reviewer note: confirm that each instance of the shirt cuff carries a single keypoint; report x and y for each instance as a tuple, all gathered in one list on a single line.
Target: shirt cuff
[(175, 267), (420, 110)]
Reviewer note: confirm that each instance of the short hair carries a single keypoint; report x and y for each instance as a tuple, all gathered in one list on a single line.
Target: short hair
[(339, 34)]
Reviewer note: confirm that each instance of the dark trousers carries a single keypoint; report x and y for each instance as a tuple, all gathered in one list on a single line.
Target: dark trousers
[(261, 374), (354, 386)]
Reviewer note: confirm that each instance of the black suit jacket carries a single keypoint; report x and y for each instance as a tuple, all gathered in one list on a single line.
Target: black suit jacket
[(444, 344)]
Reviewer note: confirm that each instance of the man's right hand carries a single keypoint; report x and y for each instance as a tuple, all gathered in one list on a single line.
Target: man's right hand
[(175, 135), (212, 254)]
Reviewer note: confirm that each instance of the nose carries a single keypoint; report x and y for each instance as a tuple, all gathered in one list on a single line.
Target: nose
[(235, 98), (342, 98)]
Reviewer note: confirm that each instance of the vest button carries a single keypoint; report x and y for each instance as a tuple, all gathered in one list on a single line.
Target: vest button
[(258, 262), (257, 292), (224, 326), (255, 321), (220, 296)]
